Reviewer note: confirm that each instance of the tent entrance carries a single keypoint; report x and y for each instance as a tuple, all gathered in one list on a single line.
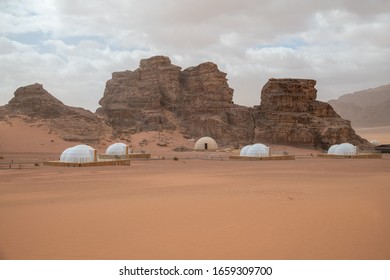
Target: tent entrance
[(205, 146)]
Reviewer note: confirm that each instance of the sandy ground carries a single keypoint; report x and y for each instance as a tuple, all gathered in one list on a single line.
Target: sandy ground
[(193, 208)]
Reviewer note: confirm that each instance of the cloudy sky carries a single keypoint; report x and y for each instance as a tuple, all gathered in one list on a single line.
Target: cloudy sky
[(72, 47)]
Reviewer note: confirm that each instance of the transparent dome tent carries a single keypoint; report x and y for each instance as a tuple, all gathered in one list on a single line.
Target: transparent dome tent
[(118, 149), (342, 149), (244, 150), (256, 150), (79, 154), (64, 154)]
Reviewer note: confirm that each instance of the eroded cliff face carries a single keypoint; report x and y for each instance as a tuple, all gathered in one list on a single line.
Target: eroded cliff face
[(135, 101), (290, 114), (206, 107), (196, 101), (160, 96), (71, 123)]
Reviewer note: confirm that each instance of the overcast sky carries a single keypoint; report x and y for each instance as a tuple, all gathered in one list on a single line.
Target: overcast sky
[(72, 47)]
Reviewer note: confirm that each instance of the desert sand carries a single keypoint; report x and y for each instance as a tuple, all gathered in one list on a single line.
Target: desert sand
[(202, 206)]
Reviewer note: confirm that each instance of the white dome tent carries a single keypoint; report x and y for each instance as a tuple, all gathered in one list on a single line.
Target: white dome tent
[(206, 143), (79, 154), (345, 149), (244, 150), (118, 149), (332, 149), (64, 154), (258, 150)]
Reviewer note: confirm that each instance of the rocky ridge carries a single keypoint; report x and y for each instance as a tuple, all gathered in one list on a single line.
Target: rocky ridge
[(70, 123), (160, 96), (197, 101)]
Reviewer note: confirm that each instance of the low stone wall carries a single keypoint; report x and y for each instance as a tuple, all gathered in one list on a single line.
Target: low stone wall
[(145, 156), (130, 156), (282, 157), (358, 156), (89, 164)]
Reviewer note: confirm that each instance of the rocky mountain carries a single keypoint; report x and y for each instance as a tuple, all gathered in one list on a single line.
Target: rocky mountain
[(290, 114), (133, 100), (196, 101), (160, 96), (366, 108), (71, 123)]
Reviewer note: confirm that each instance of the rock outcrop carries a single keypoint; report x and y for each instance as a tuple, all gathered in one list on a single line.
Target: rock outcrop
[(71, 123), (133, 100), (290, 114), (205, 107), (160, 96), (197, 102)]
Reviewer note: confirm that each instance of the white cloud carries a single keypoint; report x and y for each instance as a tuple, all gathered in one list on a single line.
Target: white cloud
[(72, 47)]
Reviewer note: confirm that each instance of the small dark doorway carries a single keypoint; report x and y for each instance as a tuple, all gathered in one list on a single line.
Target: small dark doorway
[(205, 146)]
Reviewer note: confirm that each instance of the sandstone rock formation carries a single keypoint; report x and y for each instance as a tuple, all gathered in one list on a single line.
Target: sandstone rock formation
[(158, 96), (290, 114), (205, 107), (71, 123), (198, 101), (133, 100)]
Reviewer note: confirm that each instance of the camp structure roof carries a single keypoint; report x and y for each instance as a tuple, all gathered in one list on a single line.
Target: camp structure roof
[(206, 143)]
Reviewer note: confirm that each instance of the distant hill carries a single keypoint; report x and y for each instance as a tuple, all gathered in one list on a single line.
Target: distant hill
[(71, 123), (365, 108)]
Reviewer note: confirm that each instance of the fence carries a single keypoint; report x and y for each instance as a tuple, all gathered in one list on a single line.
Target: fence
[(358, 156), (19, 165), (89, 164), (273, 157)]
